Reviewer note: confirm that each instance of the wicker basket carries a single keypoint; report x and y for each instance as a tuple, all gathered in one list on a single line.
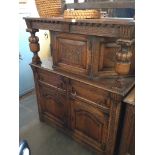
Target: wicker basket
[(82, 14), (48, 8)]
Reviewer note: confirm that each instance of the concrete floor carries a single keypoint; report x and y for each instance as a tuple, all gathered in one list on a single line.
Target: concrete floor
[(42, 138)]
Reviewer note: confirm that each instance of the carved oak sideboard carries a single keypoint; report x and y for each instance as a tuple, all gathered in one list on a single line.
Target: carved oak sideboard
[(81, 88)]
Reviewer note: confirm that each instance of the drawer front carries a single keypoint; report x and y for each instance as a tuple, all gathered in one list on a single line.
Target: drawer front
[(51, 78), (90, 93)]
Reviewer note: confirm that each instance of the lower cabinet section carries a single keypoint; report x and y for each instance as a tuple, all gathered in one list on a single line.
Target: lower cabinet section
[(92, 119), (89, 124)]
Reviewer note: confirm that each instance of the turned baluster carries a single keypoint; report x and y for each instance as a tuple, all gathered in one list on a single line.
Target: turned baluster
[(123, 57), (123, 61), (34, 46)]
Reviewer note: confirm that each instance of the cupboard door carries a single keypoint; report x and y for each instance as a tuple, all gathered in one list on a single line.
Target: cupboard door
[(53, 104), (70, 53), (89, 124)]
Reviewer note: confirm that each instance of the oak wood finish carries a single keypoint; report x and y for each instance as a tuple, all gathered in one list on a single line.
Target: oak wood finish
[(87, 110), (81, 92), (127, 144), (34, 45), (92, 48)]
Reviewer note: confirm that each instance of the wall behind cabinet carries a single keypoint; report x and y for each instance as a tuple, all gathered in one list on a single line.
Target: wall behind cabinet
[(26, 82)]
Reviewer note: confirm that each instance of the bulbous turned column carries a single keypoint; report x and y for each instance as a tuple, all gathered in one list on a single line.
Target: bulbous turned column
[(34, 46), (123, 57)]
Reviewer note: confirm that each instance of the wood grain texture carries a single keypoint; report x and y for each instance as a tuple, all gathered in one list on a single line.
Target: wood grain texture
[(127, 143), (80, 46), (81, 92), (113, 21), (126, 83), (90, 114), (130, 98)]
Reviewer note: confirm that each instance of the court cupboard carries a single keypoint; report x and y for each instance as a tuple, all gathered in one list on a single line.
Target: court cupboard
[(82, 87)]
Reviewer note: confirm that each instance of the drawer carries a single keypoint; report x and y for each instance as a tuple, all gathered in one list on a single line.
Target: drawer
[(90, 93), (51, 78)]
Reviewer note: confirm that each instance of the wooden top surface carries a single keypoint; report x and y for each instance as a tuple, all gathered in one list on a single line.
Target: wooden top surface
[(106, 20), (120, 86), (130, 99)]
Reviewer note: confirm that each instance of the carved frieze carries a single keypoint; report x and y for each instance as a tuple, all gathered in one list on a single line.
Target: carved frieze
[(108, 27), (98, 30), (47, 26)]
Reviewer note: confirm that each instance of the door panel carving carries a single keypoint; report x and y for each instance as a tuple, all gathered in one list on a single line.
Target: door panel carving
[(70, 52), (90, 124), (54, 103)]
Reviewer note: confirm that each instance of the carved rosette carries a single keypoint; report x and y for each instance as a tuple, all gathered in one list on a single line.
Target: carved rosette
[(34, 46)]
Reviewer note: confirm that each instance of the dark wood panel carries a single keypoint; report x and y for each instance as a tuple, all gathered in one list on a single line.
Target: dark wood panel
[(127, 132), (127, 145), (89, 124), (99, 5), (89, 93), (70, 52), (50, 78), (53, 103), (107, 56)]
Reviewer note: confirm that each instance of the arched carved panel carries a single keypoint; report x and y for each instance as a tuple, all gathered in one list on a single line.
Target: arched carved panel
[(54, 103), (89, 124)]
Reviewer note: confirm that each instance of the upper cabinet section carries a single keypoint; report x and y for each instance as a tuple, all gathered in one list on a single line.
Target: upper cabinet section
[(88, 47)]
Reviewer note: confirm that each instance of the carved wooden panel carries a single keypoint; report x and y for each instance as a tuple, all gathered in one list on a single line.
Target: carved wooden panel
[(71, 52), (107, 56), (89, 124), (53, 103)]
